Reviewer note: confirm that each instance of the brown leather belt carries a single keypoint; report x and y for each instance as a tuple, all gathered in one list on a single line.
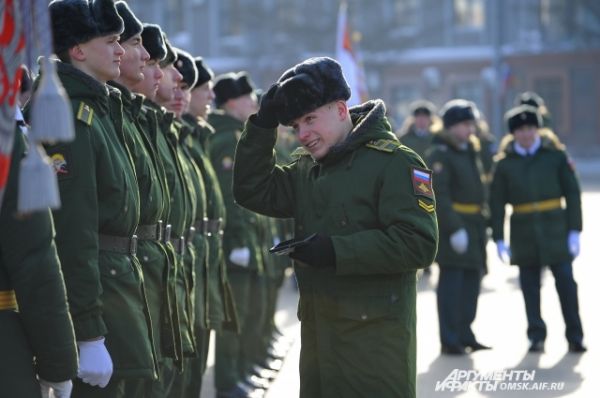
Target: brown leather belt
[(118, 244), (8, 300), (150, 232)]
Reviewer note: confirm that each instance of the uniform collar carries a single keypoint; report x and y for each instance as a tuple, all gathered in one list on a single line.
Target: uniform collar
[(531, 151)]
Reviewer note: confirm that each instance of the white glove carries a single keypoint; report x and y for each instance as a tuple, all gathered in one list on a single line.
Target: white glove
[(59, 389), (460, 241), (240, 256), (276, 240), (503, 251), (574, 243), (95, 364)]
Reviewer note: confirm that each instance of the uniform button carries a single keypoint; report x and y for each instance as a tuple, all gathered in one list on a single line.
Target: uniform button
[(363, 317), (343, 223), (145, 258), (113, 272), (125, 208), (150, 198), (128, 259)]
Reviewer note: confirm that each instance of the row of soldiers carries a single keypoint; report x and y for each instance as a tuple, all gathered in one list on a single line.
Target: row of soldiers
[(153, 250), (474, 179)]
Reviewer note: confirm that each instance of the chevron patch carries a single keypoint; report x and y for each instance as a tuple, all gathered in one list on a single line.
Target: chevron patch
[(429, 208)]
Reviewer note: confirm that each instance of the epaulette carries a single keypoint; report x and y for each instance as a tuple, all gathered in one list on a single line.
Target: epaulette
[(384, 145), (85, 113), (299, 152)]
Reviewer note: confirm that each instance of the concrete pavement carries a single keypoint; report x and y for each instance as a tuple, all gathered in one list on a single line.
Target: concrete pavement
[(500, 323)]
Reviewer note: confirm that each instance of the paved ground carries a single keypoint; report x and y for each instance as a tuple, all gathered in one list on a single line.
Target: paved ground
[(500, 323)]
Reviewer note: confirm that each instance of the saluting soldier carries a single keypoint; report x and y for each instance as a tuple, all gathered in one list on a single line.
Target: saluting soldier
[(535, 175), (236, 100), (462, 210), (219, 312), (370, 203), (36, 339), (420, 127), (100, 206)]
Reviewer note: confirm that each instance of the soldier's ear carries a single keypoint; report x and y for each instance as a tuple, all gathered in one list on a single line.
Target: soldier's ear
[(76, 53), (341, 108)]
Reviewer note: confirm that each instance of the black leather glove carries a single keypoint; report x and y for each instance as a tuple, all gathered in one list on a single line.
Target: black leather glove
[(318, 253), (266, 117)]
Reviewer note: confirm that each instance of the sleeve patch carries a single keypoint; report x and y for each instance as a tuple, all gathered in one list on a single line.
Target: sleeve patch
[(429, 208), (85, 113), (421, 180), (60, 160)]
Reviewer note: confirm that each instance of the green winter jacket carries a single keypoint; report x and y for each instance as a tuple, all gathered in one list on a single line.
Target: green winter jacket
[(37, 338), (458, 182), (98, 190), (537, 236), (359, 336)]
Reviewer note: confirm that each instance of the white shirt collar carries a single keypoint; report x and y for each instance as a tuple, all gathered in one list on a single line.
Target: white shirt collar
[(532, 150)]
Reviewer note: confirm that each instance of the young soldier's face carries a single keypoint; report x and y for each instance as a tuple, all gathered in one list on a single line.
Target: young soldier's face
[(526, 135), (319, 130), (422, 121), (201, 99), (463, 130), (152, 76), (181, 98), (133, 61), (242, 107), (168, 84), (100, 57)]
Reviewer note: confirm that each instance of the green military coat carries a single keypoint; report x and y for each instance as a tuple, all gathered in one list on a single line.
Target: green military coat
[(458, 177), (98, 190), (242, 226), (536, 237), (417, 142), (38, 339), (358, 318), (219, 308)]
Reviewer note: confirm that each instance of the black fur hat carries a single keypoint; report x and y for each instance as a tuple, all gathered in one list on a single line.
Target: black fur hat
[(458, 110), (152, 40), (422, 107), (523, 115), (79, 21), (204, 72), (171, 56), (308, 86), (529, 98), (186, 66), (133, 26), (232, 85)]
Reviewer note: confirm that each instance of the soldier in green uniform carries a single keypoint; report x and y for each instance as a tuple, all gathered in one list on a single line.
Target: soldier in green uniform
[(171, 346), (462, 212), (218, 310), (152, 186), (37, 332), (535, 175), (370, 202), (420, 128), (235, 353), (100, 206)]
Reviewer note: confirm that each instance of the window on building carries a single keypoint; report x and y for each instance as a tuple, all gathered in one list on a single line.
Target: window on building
[(469, 14), (553, 18), (406, 13)]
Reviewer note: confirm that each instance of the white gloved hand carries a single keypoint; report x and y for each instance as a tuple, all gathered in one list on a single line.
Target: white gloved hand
[(276, 240), (95, 364), (460, 241), (59, 389), (574, 243), (240, 256), (503, 251)]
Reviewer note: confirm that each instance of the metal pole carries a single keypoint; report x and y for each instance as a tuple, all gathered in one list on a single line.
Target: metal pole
[(496, 36)]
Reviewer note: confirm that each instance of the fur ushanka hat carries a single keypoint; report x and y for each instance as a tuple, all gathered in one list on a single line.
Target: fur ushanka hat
[(524, 115), (152, 40), (308, 86), (79, 21)]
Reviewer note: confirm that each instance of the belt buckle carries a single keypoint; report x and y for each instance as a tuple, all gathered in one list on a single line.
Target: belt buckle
[(191, 233), (205, 226), (167, 235), (133, 245), (159, 230), (182, 245)]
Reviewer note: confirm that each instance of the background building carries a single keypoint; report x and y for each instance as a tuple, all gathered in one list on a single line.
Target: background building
[(482, 50)]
